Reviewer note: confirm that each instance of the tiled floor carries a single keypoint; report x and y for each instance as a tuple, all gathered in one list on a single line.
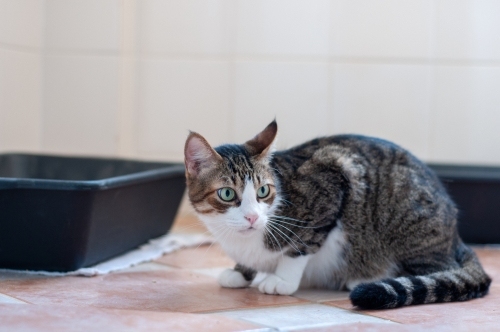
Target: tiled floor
[(178, 292)]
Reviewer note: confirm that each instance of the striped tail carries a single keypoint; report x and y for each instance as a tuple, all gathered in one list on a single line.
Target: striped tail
[(460, 284)]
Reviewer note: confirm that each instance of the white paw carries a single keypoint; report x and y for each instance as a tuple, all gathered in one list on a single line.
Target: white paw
[(232, 279), (273, 284)]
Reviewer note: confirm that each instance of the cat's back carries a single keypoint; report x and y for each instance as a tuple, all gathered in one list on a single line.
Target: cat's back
[(348, 148), (376, 171)]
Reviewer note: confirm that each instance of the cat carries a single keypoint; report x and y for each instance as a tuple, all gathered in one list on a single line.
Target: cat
[(341, 212)]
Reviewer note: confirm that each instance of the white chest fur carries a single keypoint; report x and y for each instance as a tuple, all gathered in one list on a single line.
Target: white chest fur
[(251, 252), (325, 267)]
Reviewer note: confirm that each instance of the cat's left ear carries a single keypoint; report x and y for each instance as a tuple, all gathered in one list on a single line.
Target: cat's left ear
[(199, 155), (263, 145)]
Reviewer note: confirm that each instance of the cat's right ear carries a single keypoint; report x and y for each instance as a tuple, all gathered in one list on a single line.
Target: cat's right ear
[(198, 154), (263, 144)]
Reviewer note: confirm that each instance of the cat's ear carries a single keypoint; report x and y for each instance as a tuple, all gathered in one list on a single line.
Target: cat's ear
[(198, 154), (263, 145)]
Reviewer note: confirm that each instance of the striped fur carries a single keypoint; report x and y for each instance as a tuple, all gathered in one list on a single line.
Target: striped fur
[(354, 212), (460, 284)]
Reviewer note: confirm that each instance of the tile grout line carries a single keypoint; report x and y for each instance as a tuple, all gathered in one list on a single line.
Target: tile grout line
[(12, 297), (308, 303), (229, 57), (20, 48), (363, 313)]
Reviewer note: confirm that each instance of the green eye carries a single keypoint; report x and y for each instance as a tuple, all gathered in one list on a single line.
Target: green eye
[(263, 191), (226, 194)]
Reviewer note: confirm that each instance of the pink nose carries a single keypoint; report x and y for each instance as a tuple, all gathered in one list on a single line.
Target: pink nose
[(252, 218)]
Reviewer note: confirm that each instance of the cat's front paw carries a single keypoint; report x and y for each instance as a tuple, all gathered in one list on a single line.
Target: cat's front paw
[(273, 284), (233, 279)]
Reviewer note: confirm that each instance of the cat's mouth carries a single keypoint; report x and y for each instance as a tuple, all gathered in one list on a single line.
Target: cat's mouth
[(248, 230)]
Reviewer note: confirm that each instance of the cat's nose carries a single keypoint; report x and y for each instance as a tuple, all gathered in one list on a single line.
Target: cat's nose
[(252, 218)]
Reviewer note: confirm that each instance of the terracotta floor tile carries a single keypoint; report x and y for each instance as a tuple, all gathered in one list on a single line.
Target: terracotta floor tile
[(484, 312), (16, 317), (162, 290), (490, 259), (321, 295), (211, 272), (198, 258)]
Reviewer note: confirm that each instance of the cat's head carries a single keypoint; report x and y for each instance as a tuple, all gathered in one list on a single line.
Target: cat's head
[(232, 187)]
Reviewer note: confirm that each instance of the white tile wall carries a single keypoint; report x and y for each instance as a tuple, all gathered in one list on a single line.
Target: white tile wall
[(466, 115), (468, 29), (382, 28), (184, 27), (295, 93), (130, 77), (388, 101), (83, 25), (178, 96), (283, 27), (20, 100), (21, 22), (80, 104)]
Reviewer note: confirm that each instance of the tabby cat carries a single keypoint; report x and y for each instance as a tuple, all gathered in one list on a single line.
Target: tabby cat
[(340, 212)]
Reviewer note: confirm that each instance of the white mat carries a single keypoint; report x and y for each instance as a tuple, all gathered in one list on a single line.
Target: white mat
[(150, 251)]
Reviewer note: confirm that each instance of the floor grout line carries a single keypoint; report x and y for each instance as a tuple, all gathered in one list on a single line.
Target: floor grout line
[(360, 312), (254, 308), (12, 297)]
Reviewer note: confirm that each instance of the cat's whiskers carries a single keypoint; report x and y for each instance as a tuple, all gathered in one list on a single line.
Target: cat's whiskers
[(208, 232), (284, 222), (281, 236), (226, 231), (187, 227), (224, 236), (286, 202), (288, 239), (277, 242), (288, 229), (288, 218)]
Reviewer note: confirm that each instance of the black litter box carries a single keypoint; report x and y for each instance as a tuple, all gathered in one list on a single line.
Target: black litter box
[(64, 213), (476, 192)]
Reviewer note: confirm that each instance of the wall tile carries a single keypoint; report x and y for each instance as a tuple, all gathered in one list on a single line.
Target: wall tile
[(467, 29), (81, 104), (21, 22), (295, 93), (387, 101), (83, 25), (383, 28), (283, 27), (178, 96), (466, 115), (188, 26), (20, 100)]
